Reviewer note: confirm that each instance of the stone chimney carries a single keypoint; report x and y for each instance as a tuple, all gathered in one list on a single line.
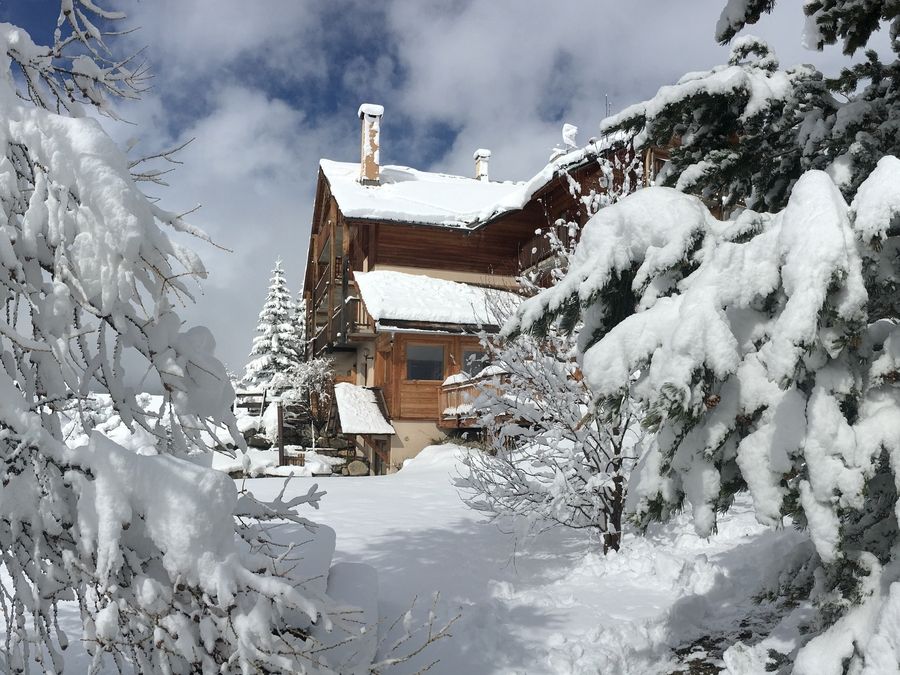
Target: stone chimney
[(369, 160), (481, 157)]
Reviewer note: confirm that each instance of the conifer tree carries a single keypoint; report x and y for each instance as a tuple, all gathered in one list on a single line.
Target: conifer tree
[(277, 347), (767, 345)]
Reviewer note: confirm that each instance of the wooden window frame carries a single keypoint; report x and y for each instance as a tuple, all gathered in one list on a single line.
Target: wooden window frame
[(445, 349)]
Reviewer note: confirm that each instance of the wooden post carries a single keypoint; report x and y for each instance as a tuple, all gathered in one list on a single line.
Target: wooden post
[(281, 459)]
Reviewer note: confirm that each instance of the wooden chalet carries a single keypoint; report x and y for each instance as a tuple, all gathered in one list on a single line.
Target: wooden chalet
[(405, 267)]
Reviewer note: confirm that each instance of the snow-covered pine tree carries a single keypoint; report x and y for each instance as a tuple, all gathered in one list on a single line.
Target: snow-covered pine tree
[(739, 134), (767, 345), (277, 347), (768, 355)]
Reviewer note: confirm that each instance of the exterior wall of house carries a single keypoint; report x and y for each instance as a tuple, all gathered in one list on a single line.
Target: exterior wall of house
[(411, 437), (492, 249), (344, 366), (412, 399)]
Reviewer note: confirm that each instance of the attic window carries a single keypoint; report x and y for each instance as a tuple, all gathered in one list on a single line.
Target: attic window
[(424, 362)]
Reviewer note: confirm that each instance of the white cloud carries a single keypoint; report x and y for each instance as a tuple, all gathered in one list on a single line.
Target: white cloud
[(506, 74), (199, 38)]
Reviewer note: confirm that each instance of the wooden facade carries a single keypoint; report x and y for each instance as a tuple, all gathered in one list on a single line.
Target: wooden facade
[(416, 399), (499, 247)]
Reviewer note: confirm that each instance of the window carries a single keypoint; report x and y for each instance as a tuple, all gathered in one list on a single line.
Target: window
[(473, 361), (424, 362)]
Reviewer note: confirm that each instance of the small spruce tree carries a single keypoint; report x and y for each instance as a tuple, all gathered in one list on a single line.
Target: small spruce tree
[(277, 347)]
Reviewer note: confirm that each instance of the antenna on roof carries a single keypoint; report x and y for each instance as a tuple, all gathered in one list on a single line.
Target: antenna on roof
[(608, 105)]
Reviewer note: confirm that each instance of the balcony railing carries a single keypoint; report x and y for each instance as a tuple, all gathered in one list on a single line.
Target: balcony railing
[(358, 318), (458, 398)]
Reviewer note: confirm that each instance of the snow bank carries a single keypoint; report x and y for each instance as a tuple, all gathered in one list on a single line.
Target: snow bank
[(444, 459), (265, 463), (552, 605)]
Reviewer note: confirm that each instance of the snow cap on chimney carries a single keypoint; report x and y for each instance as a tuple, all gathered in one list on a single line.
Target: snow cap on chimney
[(481, 157), (370, 115)]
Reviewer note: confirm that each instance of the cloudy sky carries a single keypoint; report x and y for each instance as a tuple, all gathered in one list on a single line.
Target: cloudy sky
[(268, 87)]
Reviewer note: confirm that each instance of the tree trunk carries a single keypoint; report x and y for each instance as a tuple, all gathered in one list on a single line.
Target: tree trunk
[(612, 538)]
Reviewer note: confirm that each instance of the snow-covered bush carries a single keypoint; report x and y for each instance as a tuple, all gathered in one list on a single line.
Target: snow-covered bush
[(278, 347), (171, 568), (554, 457), (309, 386)]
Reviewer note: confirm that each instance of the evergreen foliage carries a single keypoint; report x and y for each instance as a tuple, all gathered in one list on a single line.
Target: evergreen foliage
[(277, 347), (743, 133), (767, 345)]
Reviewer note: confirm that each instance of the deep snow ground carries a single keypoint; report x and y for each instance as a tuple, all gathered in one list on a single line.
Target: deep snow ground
[(553, 603)]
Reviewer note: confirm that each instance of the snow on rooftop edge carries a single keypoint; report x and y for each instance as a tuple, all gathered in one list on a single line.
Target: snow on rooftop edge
[(409, 195), (399, 296), (358, 410)]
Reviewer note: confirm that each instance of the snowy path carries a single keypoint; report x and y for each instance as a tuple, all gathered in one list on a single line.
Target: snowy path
[(558, 606), (413, 528)]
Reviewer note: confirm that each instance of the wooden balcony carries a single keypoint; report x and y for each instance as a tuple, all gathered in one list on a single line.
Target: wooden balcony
[(458, 398), (359, 322)]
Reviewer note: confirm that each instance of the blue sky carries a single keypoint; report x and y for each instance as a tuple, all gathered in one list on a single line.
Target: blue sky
[(267, 88)]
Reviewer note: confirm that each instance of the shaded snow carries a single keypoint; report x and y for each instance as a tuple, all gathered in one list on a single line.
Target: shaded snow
[(550, 605)]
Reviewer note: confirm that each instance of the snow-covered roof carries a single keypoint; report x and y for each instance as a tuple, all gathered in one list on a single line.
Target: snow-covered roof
[(413, 196), (358, 410), (397, 296), (410, 195)]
